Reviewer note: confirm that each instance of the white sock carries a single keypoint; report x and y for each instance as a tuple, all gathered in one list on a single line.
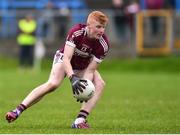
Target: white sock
[(17, 111)]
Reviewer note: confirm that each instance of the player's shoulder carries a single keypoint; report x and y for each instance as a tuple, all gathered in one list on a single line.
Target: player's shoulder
[(78, 29), (80, 26)]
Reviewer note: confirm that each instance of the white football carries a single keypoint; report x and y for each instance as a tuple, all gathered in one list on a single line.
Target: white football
[(87, 93)]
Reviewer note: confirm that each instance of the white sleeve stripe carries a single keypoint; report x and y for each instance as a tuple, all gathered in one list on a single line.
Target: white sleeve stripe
[(97, 60), (78, 33), (104, 44), (70, 44), (75, 32)]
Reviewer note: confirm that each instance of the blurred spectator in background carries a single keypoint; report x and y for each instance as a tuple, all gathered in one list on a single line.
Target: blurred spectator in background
[(46, 22), (63, 19), (120, 19), (124, 18), (154, 5), (26, 40), (132, 8)]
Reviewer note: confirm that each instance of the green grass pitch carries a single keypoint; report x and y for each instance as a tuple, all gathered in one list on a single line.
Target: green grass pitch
[(141, 96)]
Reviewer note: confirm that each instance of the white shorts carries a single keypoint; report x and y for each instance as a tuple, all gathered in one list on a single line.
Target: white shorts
[(58, 57)]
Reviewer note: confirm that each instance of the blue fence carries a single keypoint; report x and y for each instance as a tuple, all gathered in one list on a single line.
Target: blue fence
[(38, 4), (8, 20)]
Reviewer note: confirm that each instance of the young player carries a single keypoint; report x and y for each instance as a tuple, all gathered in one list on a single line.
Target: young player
[(84, 49)]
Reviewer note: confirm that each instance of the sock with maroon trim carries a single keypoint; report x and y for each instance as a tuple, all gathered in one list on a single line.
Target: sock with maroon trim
[(19, 109), (83, 114)]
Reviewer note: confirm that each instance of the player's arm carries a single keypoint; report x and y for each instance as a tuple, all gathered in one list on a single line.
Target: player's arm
[(77, 86), (68, 53)]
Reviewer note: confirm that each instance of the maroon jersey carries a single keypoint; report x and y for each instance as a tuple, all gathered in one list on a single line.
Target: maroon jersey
[(85, 48)]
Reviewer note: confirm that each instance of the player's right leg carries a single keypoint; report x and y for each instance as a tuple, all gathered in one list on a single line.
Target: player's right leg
[(56, 77)]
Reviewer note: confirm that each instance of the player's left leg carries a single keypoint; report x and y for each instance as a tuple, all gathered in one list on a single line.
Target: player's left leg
[(55, 79), (86, 108)]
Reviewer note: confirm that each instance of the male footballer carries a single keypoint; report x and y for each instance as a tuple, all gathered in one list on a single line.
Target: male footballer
[(85, 48)]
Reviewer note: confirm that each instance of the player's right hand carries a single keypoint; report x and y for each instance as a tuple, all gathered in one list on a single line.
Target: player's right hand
[(81, 101), (77, 86)]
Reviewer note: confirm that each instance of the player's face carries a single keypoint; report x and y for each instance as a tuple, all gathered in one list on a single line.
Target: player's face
[(96, 29)]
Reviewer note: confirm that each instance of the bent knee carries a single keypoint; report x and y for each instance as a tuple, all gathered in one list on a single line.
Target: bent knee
[(52, 86)]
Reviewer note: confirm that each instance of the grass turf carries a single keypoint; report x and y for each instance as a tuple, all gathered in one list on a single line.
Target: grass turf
[(134, 101)]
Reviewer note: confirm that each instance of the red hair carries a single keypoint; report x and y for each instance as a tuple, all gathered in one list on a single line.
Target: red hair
[(98, 16)]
